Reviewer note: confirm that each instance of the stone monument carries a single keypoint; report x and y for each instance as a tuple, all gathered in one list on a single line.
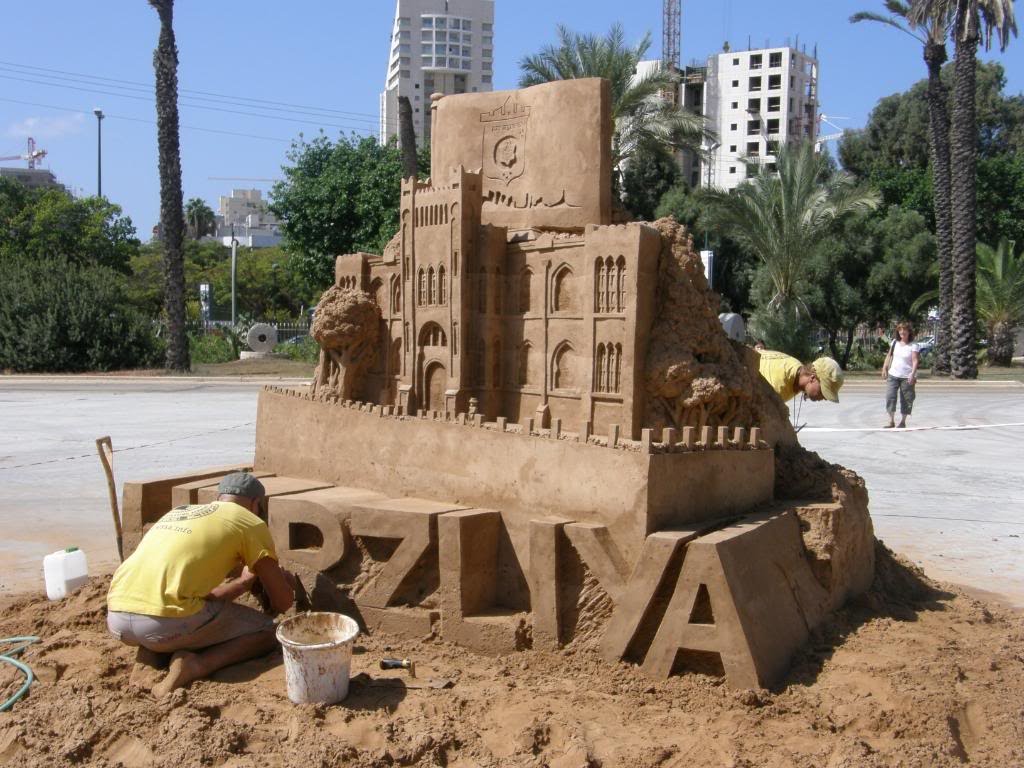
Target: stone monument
[(527, 427)]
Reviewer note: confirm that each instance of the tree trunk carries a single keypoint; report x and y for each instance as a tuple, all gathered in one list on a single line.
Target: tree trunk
[(1000, 344), (963, 158), (172, 223), (407, 137), (847, 348), (938, 123)]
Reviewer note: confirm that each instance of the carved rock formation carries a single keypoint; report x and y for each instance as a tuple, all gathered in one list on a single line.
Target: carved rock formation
[(695, 377), (346, 326)]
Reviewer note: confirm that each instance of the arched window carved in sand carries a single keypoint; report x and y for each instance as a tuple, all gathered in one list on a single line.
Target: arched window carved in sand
[(564, 293), (523, 365), (564, 367), (396, 296), (421, 296), (396, 357), (525, 286), (620, 284), (600, 363), (442, 288), (432, 282), (600, 272), (377, 291), (432, 335)]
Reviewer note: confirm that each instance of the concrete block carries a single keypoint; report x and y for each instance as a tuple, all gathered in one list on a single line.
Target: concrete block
[(755, 437), (613, 435), (745, 600), (689, 438), (739, 437), (556, 429), (668, 437), (502, 422), (722, 439), (585, 432), (705, 438)]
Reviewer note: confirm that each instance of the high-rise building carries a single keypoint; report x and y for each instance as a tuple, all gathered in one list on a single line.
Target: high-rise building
[(756, 101), (437, 46)]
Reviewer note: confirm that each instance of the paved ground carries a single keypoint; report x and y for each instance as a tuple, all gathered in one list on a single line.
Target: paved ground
[(952, 499)]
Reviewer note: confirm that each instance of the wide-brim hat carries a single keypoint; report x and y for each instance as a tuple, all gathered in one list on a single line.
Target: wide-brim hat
[(830, 376)]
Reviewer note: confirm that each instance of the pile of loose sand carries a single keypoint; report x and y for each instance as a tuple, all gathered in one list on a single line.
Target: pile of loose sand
[(908, 675)]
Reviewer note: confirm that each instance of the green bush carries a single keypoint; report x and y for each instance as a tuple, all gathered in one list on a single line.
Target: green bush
[(213, 347), (307, 350), (59, 315)]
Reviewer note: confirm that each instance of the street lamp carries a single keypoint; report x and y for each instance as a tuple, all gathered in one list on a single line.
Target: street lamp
[(99, 151)]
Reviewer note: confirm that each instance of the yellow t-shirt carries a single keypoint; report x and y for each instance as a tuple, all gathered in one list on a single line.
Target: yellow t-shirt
[(185, 555), (780, 370)]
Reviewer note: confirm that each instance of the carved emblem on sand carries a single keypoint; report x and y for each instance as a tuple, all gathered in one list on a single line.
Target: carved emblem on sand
[(504, 141)]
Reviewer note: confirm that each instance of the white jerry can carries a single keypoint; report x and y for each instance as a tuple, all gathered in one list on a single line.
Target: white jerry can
[(64, 571)]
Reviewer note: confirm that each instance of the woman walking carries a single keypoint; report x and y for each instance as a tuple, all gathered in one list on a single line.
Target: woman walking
[(900, 373)]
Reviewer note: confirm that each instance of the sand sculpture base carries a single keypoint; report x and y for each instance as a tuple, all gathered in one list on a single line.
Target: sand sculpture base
[(670, 554)]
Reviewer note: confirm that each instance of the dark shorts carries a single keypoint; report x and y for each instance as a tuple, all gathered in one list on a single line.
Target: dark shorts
[(215, 623)]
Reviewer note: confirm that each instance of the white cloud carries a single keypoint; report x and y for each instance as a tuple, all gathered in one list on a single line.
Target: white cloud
[(47, 127)]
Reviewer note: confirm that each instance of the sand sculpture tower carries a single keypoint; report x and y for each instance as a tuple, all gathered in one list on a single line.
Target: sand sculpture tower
[(528, 429)]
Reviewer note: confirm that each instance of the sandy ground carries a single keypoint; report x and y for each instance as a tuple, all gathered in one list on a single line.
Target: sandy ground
[(910, 675)]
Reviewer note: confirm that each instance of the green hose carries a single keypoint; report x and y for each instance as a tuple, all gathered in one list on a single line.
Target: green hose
[(7, 658)]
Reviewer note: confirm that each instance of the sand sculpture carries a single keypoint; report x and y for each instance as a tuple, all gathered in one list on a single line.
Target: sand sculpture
[(527, 428)]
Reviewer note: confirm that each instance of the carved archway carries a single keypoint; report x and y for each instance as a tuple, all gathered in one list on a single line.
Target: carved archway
[(564, 367), (435, 382), (563, 293)]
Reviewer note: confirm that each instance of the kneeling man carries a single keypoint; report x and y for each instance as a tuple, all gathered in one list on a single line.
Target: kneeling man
[(171, 596)]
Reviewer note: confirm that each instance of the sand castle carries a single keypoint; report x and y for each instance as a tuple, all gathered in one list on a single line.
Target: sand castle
[(527, 428)]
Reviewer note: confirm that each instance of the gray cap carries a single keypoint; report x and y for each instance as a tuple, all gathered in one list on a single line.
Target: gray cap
[(242, 484)]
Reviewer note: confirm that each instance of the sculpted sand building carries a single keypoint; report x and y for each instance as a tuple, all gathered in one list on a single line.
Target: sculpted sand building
[(527, 428), (506, 282)]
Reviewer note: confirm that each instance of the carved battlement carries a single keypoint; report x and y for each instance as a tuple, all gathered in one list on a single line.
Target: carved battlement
[(687, 440)]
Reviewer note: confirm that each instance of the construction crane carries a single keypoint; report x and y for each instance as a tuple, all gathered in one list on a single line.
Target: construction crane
[(822, 139), (671, 33), (32, 156)]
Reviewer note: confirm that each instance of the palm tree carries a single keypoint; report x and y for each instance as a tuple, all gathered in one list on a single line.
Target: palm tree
[(782, 217), (931, 33), (199, 218), (1000, 297), (172, 223), (641, 115), (970, 19)]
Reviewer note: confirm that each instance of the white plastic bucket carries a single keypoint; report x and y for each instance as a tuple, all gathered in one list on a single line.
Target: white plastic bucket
[(64, 571), (317, 651)]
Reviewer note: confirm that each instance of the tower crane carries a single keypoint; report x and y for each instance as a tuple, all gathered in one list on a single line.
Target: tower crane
[(671, 32), (32, 156), (819, 142)]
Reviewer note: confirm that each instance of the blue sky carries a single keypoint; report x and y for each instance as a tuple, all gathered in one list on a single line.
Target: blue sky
[(330, 55)]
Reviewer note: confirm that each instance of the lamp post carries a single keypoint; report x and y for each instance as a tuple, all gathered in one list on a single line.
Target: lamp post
[(99, 151)]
